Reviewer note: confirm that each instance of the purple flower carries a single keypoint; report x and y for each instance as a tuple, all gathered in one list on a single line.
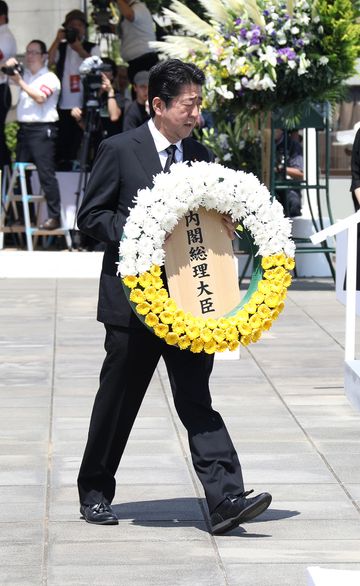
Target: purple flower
[(238, 21), (255, 40), (285, 54), (243, 33)]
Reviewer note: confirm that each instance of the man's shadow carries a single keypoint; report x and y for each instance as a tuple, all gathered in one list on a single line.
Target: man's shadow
[(187, 512)]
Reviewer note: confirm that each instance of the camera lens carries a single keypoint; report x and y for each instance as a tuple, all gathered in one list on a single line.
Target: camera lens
[(71, 35), (10, 70)]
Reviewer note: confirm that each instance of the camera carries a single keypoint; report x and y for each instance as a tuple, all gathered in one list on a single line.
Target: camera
[(90, 71), (71, 34), (102, 16), (11, 70)]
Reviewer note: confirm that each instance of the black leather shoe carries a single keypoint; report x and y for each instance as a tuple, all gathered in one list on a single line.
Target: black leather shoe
[(100, 514), (50, 224), (238, 509)]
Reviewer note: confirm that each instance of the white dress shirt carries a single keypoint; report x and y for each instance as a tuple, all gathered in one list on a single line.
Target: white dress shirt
[(162, 143), (47, 83)]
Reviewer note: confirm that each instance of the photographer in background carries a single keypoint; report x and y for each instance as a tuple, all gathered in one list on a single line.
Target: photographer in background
[(68, 51), (37, 115), (289, 166), (109, 110), (138, 112), (137, 30), (7, 50)]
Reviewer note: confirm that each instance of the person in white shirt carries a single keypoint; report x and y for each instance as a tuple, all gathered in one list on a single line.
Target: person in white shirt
[(7, 50), (137, 30), (37, 115), (67, 52)]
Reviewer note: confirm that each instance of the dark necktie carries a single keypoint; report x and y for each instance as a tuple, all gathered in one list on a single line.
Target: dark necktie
[(171, 150)]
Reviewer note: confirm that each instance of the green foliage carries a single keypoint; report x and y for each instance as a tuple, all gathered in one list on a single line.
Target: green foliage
[(11, 130), (236, 143), (341, 38)]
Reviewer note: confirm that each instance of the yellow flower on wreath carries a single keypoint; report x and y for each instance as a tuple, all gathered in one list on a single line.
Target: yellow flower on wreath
[(171, 338), (143, 308), (161, 330), (137, 296), (210, 335), (151, 320)]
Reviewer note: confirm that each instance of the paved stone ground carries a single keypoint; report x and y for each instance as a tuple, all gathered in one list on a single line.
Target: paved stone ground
[(283, 402)]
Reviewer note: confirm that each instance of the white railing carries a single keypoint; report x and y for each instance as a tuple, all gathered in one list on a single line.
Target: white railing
[(351, 365), (350, 224)]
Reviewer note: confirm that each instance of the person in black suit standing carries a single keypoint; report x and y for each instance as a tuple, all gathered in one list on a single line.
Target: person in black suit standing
[(355, 192), (125, 163)]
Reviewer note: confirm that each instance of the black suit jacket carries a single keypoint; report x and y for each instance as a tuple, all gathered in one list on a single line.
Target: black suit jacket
[(124, 163), (355, 168)]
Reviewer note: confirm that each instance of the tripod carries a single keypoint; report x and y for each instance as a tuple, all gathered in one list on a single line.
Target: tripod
[(91, 124)]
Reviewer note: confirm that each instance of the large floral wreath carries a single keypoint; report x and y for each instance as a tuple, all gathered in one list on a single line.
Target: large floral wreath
[(156, 213)]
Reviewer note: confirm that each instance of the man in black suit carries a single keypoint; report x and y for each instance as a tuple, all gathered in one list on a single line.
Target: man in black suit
[(125, 163)]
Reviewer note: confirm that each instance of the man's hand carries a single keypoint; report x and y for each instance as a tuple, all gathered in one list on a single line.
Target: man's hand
[(77, 46), (11, 63), (16, 78), (60, 35), (106, 84), (76, 113), (230, 226), (357, 193)]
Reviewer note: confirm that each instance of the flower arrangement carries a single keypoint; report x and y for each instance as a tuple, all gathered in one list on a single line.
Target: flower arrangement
[(235, 144), (267, 53), (248, 202)]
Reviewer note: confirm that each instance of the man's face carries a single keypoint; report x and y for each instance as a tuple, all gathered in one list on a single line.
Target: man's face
[(141, 90), (177, 120), (34, 59)]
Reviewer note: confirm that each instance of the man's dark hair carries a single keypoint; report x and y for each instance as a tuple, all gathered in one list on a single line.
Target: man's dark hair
[(4, 10), (168, 77), (41, 44)]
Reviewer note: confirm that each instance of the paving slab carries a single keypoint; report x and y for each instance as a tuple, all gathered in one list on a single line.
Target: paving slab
[(283, 402)]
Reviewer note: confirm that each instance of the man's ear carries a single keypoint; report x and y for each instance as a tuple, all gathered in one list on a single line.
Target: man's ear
[(158, 105)]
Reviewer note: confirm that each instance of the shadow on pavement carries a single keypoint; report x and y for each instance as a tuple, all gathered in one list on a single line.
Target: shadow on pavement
[(187, 512)]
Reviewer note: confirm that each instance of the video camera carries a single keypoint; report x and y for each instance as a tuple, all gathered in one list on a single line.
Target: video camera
[(90, 72), (71, 34), (11, 70), (102, 15)]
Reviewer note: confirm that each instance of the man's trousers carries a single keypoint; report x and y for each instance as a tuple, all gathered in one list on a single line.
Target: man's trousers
[(36, 144), (5, 103), (131, 359)]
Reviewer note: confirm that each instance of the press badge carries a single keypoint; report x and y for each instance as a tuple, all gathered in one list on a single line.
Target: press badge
[(74, 83)]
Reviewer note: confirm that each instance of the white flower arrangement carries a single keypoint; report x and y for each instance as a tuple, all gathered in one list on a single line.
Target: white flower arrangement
[(188, 187), (265, 54)]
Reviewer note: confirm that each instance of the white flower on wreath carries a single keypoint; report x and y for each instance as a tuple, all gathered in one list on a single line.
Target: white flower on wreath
[(209, 185)]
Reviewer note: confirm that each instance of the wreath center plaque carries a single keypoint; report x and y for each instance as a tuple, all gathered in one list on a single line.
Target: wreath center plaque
[(200, 265)]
